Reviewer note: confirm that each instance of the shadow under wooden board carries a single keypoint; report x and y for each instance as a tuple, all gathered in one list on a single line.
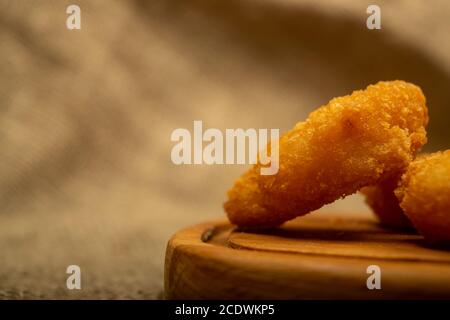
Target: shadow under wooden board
[(312, 257)]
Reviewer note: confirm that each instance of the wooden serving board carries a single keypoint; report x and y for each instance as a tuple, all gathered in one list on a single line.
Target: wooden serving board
[(312, 257)]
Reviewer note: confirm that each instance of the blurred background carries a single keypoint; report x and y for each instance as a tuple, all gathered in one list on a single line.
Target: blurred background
[(86, 116)]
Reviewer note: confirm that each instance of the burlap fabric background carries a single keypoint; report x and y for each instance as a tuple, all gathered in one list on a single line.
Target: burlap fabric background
[(86, 117)]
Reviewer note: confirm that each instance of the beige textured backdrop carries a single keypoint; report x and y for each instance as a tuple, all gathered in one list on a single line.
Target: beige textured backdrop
[(86, 117)]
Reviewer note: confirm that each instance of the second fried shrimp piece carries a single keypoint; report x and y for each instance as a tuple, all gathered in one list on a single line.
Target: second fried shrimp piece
[(382, 200), (352, 142), (424, 195)]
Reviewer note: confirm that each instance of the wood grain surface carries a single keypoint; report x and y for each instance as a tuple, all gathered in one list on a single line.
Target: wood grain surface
[(312, 257)]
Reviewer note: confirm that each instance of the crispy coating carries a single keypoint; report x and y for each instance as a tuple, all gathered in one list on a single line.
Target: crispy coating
[(384, 203), (424, 195), (353, 141)]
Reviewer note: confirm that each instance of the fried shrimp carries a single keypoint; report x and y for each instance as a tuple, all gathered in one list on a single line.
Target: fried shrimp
[(424, 195), (352, 142), (384, 203)]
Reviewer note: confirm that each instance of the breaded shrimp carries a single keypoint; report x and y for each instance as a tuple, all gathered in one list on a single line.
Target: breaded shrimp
[(352, 142), (424, 195)]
